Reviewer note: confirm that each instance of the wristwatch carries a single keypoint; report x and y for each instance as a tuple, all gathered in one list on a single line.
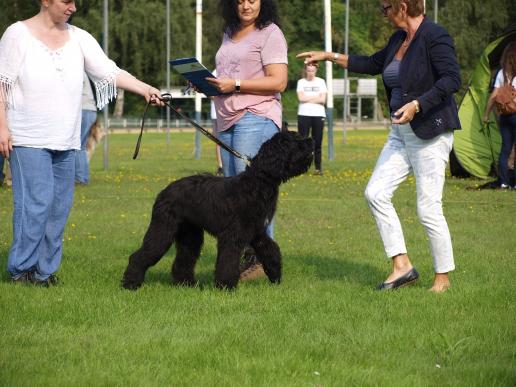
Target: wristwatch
[(237, 85), (416, 104), (335, 57)]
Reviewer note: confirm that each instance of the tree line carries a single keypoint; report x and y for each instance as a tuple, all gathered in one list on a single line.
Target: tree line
[(137, 32)]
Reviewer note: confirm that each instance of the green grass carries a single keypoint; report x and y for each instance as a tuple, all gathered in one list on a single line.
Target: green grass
[(324, 325)]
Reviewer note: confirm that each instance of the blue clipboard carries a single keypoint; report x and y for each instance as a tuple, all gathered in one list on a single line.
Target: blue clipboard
[(195, 72)]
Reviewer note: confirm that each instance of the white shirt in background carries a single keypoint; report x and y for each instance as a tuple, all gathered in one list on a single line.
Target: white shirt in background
[(499, 81), (311, 88)]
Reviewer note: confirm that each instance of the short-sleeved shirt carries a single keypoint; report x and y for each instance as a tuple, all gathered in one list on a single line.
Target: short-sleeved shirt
[(42, 88), (311, 88), (246, 59), (499, 81)]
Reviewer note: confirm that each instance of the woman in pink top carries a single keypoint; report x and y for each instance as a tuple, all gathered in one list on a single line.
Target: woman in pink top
[(42, 61), (252, 72)]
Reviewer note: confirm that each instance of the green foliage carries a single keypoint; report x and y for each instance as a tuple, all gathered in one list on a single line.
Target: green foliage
[(323, 325), (137, 36)]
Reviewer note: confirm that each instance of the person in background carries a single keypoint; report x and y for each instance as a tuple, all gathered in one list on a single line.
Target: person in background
[(89, 116), (2, 175), (213, 116), (251, 73), (311, 92), (506, 75), (420, 73), (42, 64)]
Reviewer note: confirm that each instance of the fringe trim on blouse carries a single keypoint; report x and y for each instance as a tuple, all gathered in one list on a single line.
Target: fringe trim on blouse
[(106, 90), (6, 92)]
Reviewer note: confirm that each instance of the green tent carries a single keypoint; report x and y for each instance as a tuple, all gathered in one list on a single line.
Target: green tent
[(477, 146)]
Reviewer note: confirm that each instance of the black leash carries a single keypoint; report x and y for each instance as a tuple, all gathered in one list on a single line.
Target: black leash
[(166, 98)]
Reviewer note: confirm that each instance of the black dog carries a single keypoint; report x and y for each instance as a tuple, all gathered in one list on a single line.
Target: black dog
[(236, 210)]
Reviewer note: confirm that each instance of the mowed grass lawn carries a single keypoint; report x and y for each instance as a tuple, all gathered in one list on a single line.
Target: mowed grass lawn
[(325, 325)]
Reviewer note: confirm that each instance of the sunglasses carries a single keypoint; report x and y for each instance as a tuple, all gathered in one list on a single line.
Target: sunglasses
[(385, 9)]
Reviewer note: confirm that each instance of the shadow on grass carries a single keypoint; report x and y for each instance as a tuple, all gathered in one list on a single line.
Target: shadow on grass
[(4, 276), (323, 268), (329, 268)]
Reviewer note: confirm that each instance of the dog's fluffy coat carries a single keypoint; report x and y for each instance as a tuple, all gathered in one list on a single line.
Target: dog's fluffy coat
[(236, 210)]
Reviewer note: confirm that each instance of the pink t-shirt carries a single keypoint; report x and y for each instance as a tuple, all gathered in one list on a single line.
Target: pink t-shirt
[(246, 59)]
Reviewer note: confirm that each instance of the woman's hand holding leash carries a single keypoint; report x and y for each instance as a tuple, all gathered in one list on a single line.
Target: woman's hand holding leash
[(153, 96)]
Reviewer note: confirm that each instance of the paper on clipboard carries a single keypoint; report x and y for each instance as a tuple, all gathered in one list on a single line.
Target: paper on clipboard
[(195, 72)]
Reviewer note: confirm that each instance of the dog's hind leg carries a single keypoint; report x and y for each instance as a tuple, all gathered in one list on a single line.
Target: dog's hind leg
[(189, 240), (227, 270), (269, 254), (157, 241)]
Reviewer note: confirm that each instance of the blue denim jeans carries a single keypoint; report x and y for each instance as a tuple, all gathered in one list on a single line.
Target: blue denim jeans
[(43, 185), (82, 168), (246, 137)]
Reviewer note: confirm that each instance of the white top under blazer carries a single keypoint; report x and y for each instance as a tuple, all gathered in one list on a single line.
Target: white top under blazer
[(42, 88)]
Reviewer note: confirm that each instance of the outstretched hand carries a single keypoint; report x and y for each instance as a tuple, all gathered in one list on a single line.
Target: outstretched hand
[(313, 56)]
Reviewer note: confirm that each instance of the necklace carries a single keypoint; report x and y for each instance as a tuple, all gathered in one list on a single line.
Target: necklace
[(406, 42)]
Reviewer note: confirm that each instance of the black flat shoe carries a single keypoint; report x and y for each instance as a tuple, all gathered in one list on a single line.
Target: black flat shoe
[(406, 279)]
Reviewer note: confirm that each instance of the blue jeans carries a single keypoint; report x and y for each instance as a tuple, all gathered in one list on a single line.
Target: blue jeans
[(508, 133), (82, 168), (43, 185), (246, 137)]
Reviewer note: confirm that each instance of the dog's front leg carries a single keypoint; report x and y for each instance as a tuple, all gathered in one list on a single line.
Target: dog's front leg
[(269, 254), (227, 270), (157, 241)]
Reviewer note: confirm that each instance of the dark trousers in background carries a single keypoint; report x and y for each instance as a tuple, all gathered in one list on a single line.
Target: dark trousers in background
[(304, 124), (508, 133)]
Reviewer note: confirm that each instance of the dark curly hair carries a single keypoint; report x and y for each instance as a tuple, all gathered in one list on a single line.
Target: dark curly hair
[(268, 14)]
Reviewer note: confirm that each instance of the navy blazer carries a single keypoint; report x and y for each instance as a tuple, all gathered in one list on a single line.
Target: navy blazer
[(429, 72)]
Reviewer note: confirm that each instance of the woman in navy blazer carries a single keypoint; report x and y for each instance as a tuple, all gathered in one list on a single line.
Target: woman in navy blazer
[(420, 73)]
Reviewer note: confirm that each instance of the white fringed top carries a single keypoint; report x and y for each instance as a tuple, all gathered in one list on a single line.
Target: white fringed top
[(42, 88)]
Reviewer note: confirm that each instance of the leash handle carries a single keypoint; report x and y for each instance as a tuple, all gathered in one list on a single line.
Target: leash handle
[(166, 98)]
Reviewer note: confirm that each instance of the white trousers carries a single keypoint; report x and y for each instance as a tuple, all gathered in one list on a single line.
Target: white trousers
[(405, 153)]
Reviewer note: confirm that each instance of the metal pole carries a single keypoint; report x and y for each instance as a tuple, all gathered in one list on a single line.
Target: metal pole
[(436, 7), (198, 55), (346, 91), (168, 72), (329, 76), (106, 108)]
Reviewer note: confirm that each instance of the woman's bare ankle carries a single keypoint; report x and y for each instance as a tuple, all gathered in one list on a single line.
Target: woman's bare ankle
[(400, 265), (441, 283)]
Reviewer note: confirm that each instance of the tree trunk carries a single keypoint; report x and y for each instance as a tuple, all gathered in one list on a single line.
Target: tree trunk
[(119, 104)]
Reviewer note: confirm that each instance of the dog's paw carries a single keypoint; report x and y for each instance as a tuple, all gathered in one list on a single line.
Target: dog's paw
[(184, 282), (226, 285), (132, 282), (130, 285)]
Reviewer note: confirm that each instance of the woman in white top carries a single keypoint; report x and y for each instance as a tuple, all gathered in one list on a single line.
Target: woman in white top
[(311, 92), (42, 60), (506, 75)]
